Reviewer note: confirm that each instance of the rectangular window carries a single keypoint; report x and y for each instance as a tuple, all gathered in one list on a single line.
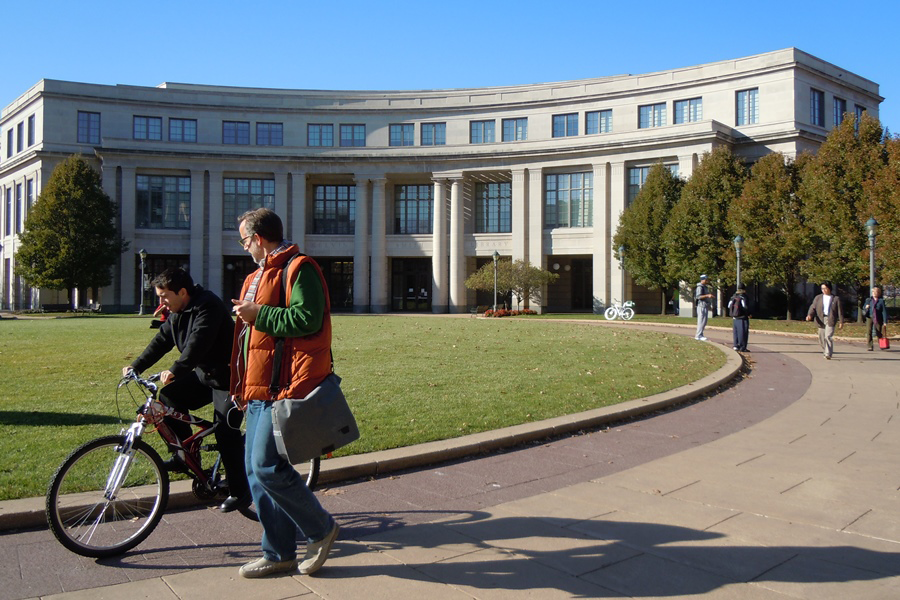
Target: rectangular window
[(433, 134), (162, 202), (269, 134), (481, 132), (688, 111), (413, 206), (817, 107), (319, 135), (334, 209), (859, 112), (598, 121), (8, 214), (353, 136), (747, 107), (241, 195), (88, 127), (147, 128), (515, 130), (20, 209), (29, 193), (236, 132), (568, 200), (493, 208), (636, 178), (9, 142), (20, 136), (183, 130), (840, 108), (402, 135), (652, 115), (31, 132), (565, 125)]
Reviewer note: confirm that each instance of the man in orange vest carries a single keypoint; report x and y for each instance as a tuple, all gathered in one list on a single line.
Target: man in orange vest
[(299, 313)]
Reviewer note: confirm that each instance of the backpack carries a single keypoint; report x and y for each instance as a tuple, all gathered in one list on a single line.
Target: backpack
[(737, 308)]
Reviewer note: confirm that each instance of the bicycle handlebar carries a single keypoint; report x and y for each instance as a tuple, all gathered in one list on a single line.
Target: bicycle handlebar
[(149, 383)]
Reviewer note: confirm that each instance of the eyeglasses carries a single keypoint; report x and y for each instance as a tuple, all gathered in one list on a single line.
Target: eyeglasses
[(243, 241)]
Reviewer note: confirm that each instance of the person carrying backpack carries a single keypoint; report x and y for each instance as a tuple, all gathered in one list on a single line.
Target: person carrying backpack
[(740, 319)]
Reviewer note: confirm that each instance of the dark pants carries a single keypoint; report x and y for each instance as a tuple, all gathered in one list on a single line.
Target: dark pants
[(741, 330), (188, 393), (873, 332)]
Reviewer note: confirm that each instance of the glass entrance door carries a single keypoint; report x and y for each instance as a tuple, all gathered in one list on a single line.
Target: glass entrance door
[(411, 284)]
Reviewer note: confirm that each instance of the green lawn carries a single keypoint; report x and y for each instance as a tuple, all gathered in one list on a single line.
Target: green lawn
[(408, 379)]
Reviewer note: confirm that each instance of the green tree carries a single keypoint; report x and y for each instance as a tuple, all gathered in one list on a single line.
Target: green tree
[(697, 236), (70, 239), (640, 231), (519, 278), (833, 193), (768, 216), (883, 203)]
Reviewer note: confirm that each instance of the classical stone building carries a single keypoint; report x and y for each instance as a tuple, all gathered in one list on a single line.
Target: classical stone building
[(402, 194)]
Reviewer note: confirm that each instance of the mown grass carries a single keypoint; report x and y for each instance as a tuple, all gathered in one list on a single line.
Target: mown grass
[(409, 379)]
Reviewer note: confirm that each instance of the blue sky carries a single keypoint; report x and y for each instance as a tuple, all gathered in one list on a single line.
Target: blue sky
[(398, 44)]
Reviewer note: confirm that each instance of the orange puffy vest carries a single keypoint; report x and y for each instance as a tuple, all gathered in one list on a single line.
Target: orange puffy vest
[(306, 361)]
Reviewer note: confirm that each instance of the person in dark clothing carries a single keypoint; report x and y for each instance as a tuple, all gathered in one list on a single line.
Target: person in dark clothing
[(200, 326), (739, 309), (876, 315)]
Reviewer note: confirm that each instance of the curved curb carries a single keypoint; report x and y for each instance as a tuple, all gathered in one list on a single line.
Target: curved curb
[(29, 512)]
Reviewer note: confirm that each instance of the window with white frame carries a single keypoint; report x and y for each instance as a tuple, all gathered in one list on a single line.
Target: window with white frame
[(236, 133), (147, 128), (688, 111), (353, 135), (565, 125), (413, 208), (568, 200), (8, 216), (403, 134), (493, 207), (88, 127), (747, 107), (481, 132), (243, 194), (515, 130), (652, 115), (20, 209), (817, 107), (20, 136), (840, 109), (269, 134), (334, 209), (162, 202), (598, 121), (183, 130), (31, 131), (319, 135), (636, 178), (433, 134), (9, 142)]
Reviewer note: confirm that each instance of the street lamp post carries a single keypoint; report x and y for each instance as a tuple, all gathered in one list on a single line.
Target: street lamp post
[(871, 229), (622, 268), (496, 258), (738, 244), (143, 254)]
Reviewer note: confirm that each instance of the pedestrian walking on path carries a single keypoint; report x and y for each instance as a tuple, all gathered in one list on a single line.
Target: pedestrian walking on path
[(826, 310), (875, 313), (739, 310), (702, 297)]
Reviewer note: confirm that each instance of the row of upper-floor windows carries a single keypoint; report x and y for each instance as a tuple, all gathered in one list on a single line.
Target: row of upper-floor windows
[(164, 202), (18, 202), (838, 107), (20, 137)]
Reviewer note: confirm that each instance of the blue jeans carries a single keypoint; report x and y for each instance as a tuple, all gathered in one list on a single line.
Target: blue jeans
[(283, 501)]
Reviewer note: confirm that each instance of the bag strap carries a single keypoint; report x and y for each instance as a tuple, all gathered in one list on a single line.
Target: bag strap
[(274, 385)]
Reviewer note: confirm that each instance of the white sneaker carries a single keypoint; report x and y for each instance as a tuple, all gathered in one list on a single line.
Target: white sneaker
[(702, 338), (317, 552)]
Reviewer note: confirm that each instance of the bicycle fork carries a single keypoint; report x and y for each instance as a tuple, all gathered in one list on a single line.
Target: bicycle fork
[(123, 461)]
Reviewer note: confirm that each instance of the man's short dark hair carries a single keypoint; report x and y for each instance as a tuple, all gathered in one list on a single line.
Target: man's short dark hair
[(828, 285), (174, 279), (264, 223)]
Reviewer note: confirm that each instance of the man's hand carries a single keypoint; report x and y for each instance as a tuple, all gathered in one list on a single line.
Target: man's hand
[(127, 370), (808, 318), (246, 310), (166, 377), (841, 325)]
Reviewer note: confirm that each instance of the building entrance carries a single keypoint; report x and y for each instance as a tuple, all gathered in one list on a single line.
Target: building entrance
[(411, 284)]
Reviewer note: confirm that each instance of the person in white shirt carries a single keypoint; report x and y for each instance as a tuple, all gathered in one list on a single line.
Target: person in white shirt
[(826, 311)]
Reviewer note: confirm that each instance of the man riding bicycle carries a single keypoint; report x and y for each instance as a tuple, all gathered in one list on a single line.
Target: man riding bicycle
[(200, 326)]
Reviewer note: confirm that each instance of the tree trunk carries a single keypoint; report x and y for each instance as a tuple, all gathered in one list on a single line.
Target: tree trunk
[(663, 293)]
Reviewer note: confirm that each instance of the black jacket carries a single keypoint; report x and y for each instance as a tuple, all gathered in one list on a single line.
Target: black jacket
[(203, 333)]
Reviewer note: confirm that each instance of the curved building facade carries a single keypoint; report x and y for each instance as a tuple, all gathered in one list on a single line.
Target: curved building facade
[(400, 195)]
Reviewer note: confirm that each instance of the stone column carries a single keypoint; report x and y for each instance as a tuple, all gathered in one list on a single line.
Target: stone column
[(380, 274), (361, 248), (216, 215), (130, 272), (617, 191), (521, 215), (298, 209), (281, 200), (439, 292), (601, 249), (535, 251), (457, 251), (198, 222)]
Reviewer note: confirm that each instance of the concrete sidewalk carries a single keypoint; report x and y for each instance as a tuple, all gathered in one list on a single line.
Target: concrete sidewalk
[(782, 486)]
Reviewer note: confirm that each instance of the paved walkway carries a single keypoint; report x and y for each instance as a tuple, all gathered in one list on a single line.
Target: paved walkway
[(784, 485)]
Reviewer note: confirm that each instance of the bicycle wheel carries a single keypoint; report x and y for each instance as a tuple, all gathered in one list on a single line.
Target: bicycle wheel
[(628, 314), (610, 313), (88, 523)]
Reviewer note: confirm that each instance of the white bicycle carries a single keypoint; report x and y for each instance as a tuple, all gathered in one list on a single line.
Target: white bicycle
[(619, 310)]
